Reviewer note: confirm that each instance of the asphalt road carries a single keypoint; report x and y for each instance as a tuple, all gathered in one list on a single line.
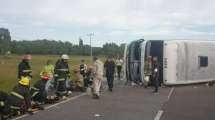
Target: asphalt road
[(194, 102)]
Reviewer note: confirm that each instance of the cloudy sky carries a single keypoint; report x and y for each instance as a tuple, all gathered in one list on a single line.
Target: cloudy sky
[(110, 20)]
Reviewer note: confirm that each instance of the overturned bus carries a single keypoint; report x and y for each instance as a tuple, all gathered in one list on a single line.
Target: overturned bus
[(180, 61)]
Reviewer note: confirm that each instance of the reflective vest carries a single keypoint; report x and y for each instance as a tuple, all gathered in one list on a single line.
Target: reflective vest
[(1, 103), (48, 69)]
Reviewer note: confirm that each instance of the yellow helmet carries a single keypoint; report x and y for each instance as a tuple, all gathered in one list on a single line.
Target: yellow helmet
[(24, 81)]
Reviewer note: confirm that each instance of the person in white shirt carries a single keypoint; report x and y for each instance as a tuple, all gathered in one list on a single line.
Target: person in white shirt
[(98, 69)]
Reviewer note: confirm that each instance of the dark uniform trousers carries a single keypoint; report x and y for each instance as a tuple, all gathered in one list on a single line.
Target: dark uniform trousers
[(110, 79), (38, 92)]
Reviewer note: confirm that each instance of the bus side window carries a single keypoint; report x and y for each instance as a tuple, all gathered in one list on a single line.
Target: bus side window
[(203, 61)]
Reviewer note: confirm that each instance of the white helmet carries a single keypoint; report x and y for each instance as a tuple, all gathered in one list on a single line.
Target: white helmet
[(65, 57)]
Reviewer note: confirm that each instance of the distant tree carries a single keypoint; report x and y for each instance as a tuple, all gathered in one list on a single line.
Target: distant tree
[(45, 46), (111, 49), (5, 40)]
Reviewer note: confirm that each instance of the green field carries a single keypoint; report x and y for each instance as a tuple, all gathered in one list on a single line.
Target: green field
[(9, 66)]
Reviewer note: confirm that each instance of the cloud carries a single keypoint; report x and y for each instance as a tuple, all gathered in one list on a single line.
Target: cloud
[(116, 17)]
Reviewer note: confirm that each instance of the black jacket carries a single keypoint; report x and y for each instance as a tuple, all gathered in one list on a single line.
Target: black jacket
[(5, 106), (24, 69), (155, 73), (61, 69), (19, 95), (109, 68)]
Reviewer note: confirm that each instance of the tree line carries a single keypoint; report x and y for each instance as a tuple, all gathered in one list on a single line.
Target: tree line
[(46, 46)]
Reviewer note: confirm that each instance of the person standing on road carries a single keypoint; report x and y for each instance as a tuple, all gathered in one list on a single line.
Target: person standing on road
[(110, 70), (98, 68), (147, 71), (119, 64), (155, 74), (24, 68), (61, 75)]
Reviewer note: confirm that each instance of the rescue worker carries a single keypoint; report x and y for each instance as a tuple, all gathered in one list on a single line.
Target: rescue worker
[(97, 71), (20, 98), (4, 105), (61, 75), (78, 83), (38, 92), (155, 74), (24, 68), (83, 68), (48, 69), (119, 64), (147, 71), (110, 70)]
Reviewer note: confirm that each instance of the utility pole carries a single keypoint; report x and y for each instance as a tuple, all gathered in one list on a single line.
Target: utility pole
[(91, 49)]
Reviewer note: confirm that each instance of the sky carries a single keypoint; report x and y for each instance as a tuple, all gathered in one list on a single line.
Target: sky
[(119, 21)]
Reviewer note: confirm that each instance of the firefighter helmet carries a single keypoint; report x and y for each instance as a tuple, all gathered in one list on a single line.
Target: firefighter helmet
[(24, 81), (65, 57)]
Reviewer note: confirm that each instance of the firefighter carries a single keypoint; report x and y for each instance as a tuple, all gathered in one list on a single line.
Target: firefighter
[(4, 105), (24, 68), (155, 74), (97, 71), (83, 68), (110, 70), (61, 75), (38, 92), (20, 98), (119, 63), (48, 69)]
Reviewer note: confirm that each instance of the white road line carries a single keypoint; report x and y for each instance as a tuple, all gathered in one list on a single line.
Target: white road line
[(65, 101), (170, 93), (20, 117), (54, 105), (159, 114)]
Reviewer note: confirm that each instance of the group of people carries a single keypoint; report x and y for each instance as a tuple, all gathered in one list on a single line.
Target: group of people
[(107, 70), (25, 96)]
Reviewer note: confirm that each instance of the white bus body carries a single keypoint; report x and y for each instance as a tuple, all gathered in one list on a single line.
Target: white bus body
[(181, 61)]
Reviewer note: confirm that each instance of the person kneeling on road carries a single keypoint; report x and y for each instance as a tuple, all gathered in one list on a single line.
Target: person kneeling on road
[(5, 110), (78, 82), (20, 98)]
